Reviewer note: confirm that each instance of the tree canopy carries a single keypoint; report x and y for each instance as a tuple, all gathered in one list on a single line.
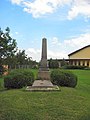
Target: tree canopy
[(53, 63), (9, 54), (8, 45)]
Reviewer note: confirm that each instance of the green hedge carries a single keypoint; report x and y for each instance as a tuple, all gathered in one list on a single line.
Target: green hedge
[(74, 67), (18, 79), (63, 78)]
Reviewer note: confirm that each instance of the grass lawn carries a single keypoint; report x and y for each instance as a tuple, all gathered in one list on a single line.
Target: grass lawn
[(67, 104)]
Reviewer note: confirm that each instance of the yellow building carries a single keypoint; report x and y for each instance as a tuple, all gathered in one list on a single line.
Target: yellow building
[(80, 57)]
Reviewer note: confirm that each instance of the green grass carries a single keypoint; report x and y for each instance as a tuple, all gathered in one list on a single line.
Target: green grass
[(67, 104)]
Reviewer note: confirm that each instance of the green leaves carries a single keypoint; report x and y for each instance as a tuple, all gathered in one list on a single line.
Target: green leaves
[(7, 44)]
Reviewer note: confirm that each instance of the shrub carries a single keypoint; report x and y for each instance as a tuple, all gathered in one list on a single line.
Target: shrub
[(18, 79), (63, 78), (74, 67)]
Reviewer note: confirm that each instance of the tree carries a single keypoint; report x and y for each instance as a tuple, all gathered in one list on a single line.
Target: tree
[(63, 62), (53, 63), (7, 45), (19, 59), (23, 59), (21, 56)]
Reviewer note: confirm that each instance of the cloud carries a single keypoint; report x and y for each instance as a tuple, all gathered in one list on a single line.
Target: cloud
[(78, 42), (55, 41), (39, 8), (56, 54), (79, 7), (16, 33), (34, 53), (61, 49), (18, 2)]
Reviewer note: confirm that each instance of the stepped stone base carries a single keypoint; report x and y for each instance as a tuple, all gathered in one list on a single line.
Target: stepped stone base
[(42, 85)]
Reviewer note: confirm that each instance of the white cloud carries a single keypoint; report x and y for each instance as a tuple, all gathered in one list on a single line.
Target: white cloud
[(56, 54), (55, 41), (34, 53), (18, 2), (16, 33), (73, 43), (78, 42), (38, 8), (63, 48), (79, 7)]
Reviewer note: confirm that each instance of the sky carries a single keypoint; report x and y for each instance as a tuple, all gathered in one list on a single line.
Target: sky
[(64, 23)]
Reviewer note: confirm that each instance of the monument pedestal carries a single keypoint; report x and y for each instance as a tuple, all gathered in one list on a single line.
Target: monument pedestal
[(44, 75), (42, 85)]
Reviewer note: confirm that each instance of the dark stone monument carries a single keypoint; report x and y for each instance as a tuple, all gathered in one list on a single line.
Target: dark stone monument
[(44, 73), (43, 82)]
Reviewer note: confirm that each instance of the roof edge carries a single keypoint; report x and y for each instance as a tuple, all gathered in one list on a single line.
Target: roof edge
[(78, 50)]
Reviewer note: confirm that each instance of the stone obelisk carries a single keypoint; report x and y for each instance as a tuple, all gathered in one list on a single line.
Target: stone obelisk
[(43, 63), (43, 82), (44, 73)]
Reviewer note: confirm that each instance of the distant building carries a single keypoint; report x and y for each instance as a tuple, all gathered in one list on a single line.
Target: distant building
[(80, 57)]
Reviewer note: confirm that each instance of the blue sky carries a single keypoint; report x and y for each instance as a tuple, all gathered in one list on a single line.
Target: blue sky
[(65, 24)]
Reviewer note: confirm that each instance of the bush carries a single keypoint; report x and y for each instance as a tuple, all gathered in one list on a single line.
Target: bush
[(74, 67), (63, 78), (18, 79)]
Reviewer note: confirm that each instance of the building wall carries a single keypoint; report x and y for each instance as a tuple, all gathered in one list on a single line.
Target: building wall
[(82, 54), (81, 57), (80, 62)]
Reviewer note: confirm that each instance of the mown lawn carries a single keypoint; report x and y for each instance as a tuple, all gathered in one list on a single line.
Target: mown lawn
[(67, 104)]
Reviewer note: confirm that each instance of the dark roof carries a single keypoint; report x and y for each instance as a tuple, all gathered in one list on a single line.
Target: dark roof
[(78, 50)]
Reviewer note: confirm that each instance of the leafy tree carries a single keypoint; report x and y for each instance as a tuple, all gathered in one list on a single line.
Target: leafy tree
[(53, 63), (63, 62), (7, 45), (18, 59), (21, 57)]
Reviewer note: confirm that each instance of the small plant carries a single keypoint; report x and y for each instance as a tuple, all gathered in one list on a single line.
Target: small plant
[(63, 78), (18, 79)]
